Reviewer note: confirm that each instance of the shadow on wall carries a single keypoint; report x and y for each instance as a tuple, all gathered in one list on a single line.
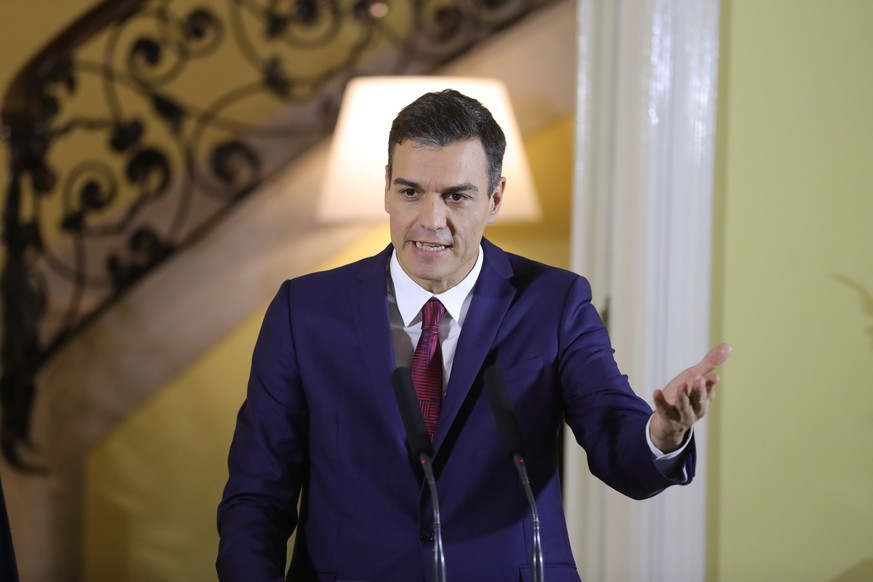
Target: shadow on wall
[(866, 297), (860, 572)]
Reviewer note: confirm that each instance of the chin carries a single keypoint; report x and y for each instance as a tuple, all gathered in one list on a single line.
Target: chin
[(429, 276)]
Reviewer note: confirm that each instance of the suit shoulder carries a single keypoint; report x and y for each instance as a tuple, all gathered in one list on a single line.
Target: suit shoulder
[(339, 277), (524, 268)]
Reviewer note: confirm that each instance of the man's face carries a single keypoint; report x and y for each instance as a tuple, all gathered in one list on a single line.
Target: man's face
[(438, 202)]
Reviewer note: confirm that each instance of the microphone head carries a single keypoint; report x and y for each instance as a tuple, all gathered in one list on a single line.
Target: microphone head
[(417, 441), (507, 423)]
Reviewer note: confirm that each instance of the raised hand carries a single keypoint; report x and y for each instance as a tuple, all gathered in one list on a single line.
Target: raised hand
[(685, 400)]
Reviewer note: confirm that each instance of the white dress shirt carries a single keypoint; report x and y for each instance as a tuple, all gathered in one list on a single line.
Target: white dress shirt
[(406, 298)]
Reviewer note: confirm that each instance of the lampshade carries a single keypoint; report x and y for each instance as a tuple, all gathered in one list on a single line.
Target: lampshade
[(354, 184)]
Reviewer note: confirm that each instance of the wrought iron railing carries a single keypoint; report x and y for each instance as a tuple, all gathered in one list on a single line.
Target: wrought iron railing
[(140, 126)]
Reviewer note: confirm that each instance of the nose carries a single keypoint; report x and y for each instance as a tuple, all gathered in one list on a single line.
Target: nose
[(432, 212)]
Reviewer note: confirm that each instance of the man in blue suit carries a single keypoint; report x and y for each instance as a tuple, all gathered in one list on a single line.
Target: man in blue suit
[(320, 424)]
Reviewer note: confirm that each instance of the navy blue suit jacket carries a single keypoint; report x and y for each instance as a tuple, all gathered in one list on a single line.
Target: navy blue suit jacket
[(320, 416)]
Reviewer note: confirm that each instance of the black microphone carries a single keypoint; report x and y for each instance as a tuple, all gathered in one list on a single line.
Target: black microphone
[(420, 449), (513, 443)]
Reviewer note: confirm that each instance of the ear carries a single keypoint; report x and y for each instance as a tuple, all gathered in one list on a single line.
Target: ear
[(496, 200)]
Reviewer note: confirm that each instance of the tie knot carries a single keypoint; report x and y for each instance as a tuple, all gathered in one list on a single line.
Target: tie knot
[(432, 313)]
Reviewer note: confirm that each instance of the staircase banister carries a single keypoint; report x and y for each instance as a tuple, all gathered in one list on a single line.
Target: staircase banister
[(18, 107)]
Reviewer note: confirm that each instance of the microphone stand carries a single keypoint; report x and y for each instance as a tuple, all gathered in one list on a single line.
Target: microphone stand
[(513, 443), (439, 556), (536, 560), (419, 446)]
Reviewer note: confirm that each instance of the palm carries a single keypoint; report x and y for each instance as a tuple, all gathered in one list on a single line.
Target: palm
[(685, 400)]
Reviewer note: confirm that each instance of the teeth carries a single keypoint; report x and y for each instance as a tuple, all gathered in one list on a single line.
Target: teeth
[(429, 247)]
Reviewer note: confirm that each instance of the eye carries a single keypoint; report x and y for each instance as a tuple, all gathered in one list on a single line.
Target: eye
[(457, 197), (408, 193)]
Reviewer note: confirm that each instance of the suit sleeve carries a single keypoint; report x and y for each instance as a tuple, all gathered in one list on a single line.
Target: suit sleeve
[(607, 418), (268, 457)]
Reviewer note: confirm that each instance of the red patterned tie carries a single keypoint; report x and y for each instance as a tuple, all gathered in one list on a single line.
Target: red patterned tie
[(427, 365)]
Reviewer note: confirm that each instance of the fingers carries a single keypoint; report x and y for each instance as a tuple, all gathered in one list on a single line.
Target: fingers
[(667, 410), (699, 397), (715, 358), (711, 383), (692, 399), (683, 404), (686, 399)]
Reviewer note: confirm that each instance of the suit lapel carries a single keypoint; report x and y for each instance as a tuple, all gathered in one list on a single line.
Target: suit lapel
[(492, 297)]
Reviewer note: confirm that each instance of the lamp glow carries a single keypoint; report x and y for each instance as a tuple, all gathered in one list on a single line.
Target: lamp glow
[(354, 185)]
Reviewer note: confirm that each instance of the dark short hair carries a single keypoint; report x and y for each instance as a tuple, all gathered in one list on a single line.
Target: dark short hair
[(446, 117)]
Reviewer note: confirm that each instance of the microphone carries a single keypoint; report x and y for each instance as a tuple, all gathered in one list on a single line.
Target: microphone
[(513, 444), (420, 449)]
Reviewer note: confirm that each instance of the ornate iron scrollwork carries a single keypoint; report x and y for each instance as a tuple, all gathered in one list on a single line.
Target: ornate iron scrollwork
[(141, 125)]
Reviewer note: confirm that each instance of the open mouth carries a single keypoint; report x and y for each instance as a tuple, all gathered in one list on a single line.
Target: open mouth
[(430, 246)]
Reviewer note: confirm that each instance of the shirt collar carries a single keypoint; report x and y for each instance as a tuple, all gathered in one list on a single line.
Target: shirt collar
[(411, 297)]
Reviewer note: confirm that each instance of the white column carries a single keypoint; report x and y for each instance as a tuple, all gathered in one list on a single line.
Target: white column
[(642, 230)]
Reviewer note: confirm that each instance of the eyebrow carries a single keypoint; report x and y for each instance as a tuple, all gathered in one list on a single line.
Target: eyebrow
[(463, 187)]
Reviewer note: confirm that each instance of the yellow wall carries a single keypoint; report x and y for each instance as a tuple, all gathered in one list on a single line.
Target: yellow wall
[(792, 453), (153, 485)]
